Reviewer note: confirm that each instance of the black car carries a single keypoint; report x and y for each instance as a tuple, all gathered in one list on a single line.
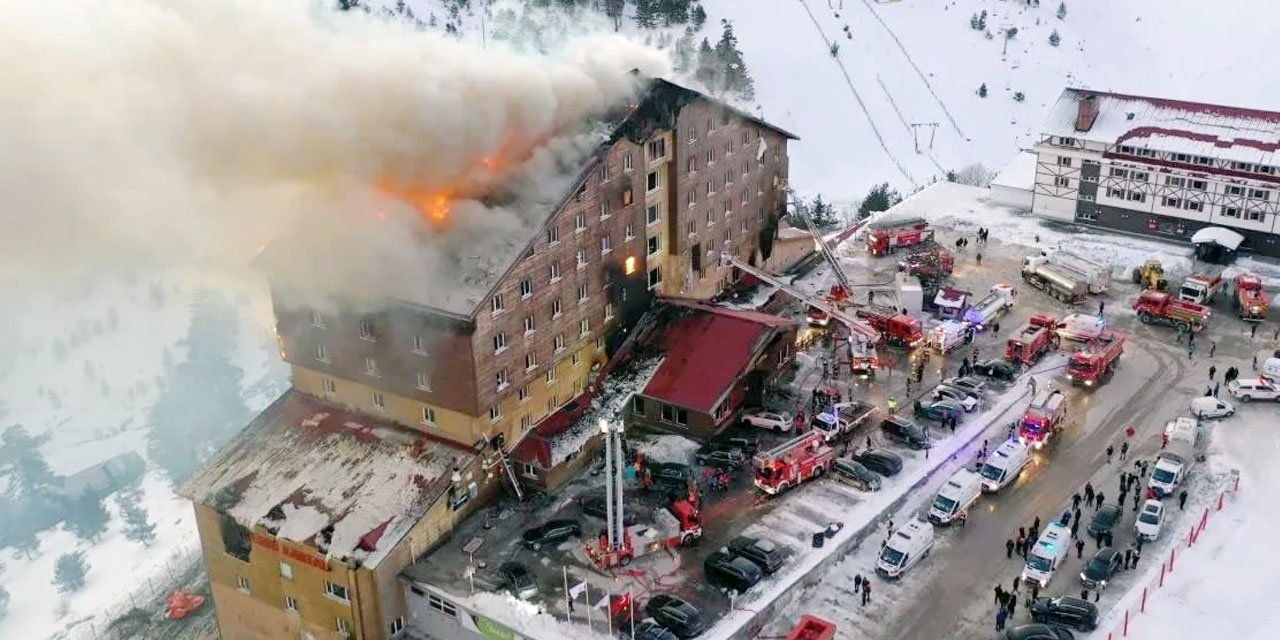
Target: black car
[(761, 551), (670, 476), (676, 614), (719, 456), (647, 629), (997, 368), (939, 410), (854, 473), (1104, 519), (1066, 610), (1036, 632), (905, 431), (1105, 563), (748, 446), (730, 571), (855, 412), (885, 463), (595, 507), (551, 533), (517, 579)]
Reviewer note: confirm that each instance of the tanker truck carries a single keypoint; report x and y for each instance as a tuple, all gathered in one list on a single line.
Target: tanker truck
[(1059, 283), (996, 303)]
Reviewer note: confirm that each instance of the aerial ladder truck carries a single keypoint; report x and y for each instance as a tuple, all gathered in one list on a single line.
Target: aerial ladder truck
[(863, 337)]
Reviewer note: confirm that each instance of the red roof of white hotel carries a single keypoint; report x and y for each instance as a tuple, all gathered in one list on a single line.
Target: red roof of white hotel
[(1177, 126)]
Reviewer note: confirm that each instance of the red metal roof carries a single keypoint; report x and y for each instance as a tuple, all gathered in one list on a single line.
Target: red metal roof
[(705, 354), (1187, 105)]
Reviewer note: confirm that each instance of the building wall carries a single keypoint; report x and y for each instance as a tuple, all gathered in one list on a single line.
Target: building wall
[(1153, 192)]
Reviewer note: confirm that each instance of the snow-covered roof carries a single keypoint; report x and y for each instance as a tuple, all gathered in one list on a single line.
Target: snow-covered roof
[(303, 466), (788, 232), (1218, 235), (1193, 128), (1020, 173)]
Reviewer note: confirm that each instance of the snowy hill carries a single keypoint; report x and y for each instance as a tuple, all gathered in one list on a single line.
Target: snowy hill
[(1182, 49)]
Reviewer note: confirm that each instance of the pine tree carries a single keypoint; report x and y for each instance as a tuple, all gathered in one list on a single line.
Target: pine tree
[(87, 517), (137, 526), (1062, 11), (684, 52), (982, 91), (708, 71), (1054, 38), (400, 7), (23, 463), (698, 16), (615, 10), (736, 78), (674, 12), (878, 199), (70, 571), (1018, 96), (646, 15)]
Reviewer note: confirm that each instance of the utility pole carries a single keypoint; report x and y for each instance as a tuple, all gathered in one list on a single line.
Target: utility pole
[(915, 128)]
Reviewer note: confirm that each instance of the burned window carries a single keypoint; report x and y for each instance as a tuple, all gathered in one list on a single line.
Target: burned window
[(235, 538)]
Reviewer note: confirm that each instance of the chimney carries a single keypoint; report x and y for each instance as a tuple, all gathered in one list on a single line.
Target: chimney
[(1087, 112)]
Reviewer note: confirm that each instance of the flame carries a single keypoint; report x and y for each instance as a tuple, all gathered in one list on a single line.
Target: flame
[(433, 205)]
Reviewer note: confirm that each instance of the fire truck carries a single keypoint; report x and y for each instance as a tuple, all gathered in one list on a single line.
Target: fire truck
[(897, 329), (838, 296), (1200, 288), (679, 525), (862, 338), (1250, 299), (1032, 341), (800, 459), (1095, 363), (1043, 418), (1159, 307), (889, 236)]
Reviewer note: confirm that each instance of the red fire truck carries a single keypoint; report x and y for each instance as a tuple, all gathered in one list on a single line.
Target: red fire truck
[(1032, 341), (1095, 363), (1250, 299), (812, 628), (1159, 307), (837, 296), (1043, 418), (802, 458), (680, 524), (897, 329), (889, 236)]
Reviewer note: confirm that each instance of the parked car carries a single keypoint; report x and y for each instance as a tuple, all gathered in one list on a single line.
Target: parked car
[(1149, 520), (736, 573), (1208, 407), (974, 385), (1249, 389), (647, 629), (595, 507), (748, 446), (551, 533), (1036, 632), (1105, 563), (997, 368), (947, 392), (762, 551), (1104, 519), (905, 431), (885, 463), (1066, 610), (939, 410), (852, 472), (676, 614), (771, 420), (719, 456), (670, 476), (517, 579)]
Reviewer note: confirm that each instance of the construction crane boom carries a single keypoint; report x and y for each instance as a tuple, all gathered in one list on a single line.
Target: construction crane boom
[(857, 326)]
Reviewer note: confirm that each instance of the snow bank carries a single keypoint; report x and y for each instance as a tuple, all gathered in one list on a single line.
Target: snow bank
[(617, 392), (667, 448)]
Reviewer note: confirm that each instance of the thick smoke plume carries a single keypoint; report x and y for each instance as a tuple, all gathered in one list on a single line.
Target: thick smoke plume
[(151, 132)]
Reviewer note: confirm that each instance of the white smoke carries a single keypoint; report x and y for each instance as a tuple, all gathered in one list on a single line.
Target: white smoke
[(152, 132)]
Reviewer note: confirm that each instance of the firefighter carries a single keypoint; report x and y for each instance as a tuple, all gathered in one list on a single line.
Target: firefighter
[(892, 404)]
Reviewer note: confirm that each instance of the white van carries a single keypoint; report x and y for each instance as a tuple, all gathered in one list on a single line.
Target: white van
[(1004, 464), (907, 546), (1270, 370), (1047, 554), (955, 497), (1209, 407)]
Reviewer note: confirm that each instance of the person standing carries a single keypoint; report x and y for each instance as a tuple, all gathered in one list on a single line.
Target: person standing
[(999, 594), (1075, 500), (1182, 500), (1253, 330), (1212, 370), (866, 590), (1013, 603), (1110, 450), (1088, 493), (1124, 450), (1075, 527), (1213, 347), (1099, 498), (1017, 580), (1128, 558), (1079, 548), (1008, 549), (1216, 387), (1001, 616), (1101, 307)]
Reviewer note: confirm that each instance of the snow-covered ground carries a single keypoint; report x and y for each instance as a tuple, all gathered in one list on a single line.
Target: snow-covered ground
[(1223, 585)]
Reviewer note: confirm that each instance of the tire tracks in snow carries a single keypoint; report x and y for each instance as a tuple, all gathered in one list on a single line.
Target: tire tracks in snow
[(858, 97)]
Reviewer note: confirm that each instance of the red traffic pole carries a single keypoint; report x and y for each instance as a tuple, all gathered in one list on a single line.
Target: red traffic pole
[(1204, 520), (1220, 497), (1191, 537), (1173, 553), (1143, 606), (1126, 625), (1163, 567)]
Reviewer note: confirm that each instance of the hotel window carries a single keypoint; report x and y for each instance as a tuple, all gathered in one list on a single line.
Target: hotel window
[(657, 149), (652, 214), (1199, 185), (1181, 157), (631, 230), (1119, 173), (501, 379), (322, 353), (242, 583), (1172, 202), (1137, 196), (1067, 142), (691, 165), (317, 320), (1230, 212), (654, 245), (655, 277), (1252, 216), (526, 421), (378, 400), (1140, 175), (528, 325), (582, 258), (499, 342), (286, 571), (1062, 181), (396, 626), (443, 606), (559, 346), (651, 182), (606, 244), (604, 210), (291, 603), (1233, 190), (419, 345), (605, 172), (1260, 194), (553, 235), (530, 361), (556, 308), (366, 330), (555, 271), (522, 394), (626, 163), (746, 169), (1064, 161), (711, 219), (428, 415), (711, 157), (371, 367), (344, 628), (579, 221), (583, 292), (1175, 182), (692, 133), (745, 197), (746, 137), (497, 303), (1204, 160), (584, 326), (575, 359), (692, 198), (526, 287), (609, 311), (728, 178), (550, 375), (711, 187), (1115, 193), (692, 227), (330, 386), (1194, 205), (495, 413), (424, 381)]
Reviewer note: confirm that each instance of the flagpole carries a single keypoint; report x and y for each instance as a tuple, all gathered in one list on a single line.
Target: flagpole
[(590, 625), (632, 605), (568, 597)]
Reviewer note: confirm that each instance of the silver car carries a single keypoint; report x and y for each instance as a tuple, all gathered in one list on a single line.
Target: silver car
[(854, 473), (947, 392)]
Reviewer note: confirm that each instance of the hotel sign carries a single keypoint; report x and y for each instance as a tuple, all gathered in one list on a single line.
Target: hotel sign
[(310, 559)]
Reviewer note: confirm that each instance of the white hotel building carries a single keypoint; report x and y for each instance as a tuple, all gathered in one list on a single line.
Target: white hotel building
[(1160, 167)]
